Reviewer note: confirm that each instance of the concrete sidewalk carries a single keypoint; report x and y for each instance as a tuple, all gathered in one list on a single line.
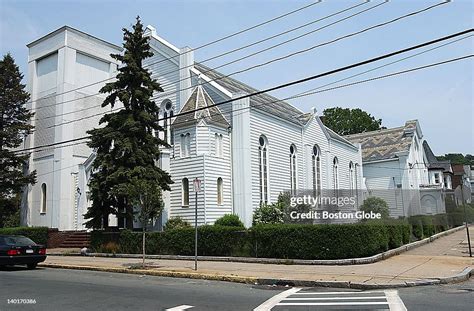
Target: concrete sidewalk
[(444, 260)]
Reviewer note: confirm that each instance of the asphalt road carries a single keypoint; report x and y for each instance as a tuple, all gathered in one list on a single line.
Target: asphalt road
[(57, 289)]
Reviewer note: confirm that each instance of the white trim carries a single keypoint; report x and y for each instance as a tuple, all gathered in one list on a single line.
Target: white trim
[(211, 82), (273, 301)]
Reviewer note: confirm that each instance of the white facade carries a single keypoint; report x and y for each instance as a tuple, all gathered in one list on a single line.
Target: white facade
[(60, 66), (396, 169), (227, 155)]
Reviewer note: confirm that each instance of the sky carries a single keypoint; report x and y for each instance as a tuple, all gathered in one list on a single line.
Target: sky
[(441, 98)]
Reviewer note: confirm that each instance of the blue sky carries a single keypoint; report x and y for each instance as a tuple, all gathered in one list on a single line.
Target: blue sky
[(440, 98)]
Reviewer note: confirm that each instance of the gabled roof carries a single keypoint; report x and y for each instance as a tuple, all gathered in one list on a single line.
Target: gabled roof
[(387, 143), (263, 102), (199, 99), (433, 162)]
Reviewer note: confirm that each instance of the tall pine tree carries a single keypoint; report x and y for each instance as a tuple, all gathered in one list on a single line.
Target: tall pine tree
[(125, 146), (14, 125)]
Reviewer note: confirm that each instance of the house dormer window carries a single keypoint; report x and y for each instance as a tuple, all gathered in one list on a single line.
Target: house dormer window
[(293, 172)]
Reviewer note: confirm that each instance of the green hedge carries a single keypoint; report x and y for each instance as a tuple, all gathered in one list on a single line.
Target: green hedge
[(37, 234), (291, 241), (319, 241)]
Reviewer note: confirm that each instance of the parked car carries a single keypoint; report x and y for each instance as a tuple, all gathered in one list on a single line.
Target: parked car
[(20, 250)]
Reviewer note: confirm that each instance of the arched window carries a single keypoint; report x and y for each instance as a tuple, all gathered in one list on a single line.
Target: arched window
[(185, 145), (352, 181), (263, 168), (335, 173), (293, 173), (185, 192), (43, 199), (219, 145), (316, 171), (220, 191), (167, 108)]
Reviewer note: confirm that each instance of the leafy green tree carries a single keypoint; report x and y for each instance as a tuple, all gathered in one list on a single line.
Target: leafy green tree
[(14, 126), (126, 149), (229, 220), (345, 121), (458, 158), (146, 197), (376, 205)]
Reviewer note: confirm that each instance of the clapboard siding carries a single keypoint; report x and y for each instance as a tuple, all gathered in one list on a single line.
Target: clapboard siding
[(313, 134), (345, 154), (280, 135), (189, 168), (166, 72), (216, 167)]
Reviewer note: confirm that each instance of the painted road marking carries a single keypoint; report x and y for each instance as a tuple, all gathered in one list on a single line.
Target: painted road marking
[(273, 301), (179, 308), (386, 300), (394, 301)]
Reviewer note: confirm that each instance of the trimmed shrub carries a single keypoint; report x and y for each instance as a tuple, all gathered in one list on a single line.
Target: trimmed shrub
[(38, 234), (229, 220), (376, 205), (176, 223), (268, 214)]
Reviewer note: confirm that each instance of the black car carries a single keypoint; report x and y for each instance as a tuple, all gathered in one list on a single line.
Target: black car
[(20, 250)]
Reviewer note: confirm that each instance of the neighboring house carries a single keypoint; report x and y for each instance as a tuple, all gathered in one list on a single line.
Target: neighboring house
[(246, 152), (462, 183), (395, 169), (440, 173)]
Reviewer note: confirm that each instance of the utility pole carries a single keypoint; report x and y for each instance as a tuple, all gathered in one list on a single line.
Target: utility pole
[(465, 217), (197, 188)]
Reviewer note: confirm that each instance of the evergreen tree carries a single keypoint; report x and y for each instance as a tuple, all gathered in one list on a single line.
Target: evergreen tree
[(125, 146), (14, 125)]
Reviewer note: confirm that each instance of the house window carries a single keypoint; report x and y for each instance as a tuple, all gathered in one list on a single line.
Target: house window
[(219, 146), (167, 108), (335, 173), (43, 199), (293, 173), (316, 171), (352, 178), (184, 192), (185, 145), (220, 190), (263, 168), (437, 179)]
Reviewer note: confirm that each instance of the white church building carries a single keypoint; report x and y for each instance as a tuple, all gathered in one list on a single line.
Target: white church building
[(245, 152)]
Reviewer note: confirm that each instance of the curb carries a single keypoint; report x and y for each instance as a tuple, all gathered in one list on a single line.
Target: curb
[(462, 276), (331, 262)]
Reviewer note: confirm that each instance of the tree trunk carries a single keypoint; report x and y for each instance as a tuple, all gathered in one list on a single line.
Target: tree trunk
[(143, 245)]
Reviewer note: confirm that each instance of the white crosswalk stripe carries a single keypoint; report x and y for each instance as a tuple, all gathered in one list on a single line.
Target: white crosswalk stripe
[(311, 299)]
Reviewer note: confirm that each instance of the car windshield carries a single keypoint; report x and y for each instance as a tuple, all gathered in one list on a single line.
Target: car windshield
[(17, 241)]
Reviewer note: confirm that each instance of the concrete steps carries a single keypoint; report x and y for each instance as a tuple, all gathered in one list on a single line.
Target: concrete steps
[(76, 239)]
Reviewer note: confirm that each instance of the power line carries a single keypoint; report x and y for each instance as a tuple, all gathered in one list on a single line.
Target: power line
[(291, 54), (311, 90), (229, 52), (316, 76), (315, 46), (199, 47)]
